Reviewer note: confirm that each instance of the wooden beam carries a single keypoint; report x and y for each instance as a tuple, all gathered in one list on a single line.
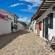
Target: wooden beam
[(43, 9), (44, 6), (38, 10), (47, 4), (50, 1)]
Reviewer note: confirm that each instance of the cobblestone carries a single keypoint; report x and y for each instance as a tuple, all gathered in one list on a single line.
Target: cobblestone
[(27, 44)]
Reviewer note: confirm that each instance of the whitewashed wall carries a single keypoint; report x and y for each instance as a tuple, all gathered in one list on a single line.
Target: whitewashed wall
[(32, 26), (20, 26), (52, 31), (41, 32), (34, 30), (5, 26)]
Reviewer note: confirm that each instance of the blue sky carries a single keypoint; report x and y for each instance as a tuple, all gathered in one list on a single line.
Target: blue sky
[(22, 8)]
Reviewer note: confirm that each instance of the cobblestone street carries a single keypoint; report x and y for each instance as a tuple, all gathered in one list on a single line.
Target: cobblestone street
[(25, 44)]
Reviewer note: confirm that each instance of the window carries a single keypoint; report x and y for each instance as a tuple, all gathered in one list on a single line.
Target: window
[(53, 8), (50, 20)]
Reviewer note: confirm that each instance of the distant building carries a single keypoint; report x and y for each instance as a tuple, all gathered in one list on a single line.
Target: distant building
[(21, 25)]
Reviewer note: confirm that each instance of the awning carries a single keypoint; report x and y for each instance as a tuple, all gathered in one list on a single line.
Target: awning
[(43, 7)]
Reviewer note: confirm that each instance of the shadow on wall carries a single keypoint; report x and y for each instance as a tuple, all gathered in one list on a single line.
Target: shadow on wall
[(6, 39)]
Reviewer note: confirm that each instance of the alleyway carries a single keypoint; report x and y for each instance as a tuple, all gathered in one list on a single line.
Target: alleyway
[(23, 43)]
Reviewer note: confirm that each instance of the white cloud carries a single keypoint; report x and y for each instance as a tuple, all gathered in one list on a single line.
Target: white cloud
[(29, 0), (33, 1), (26, 10), (24, 19), (37, 2), (16, 4), (34, 5)]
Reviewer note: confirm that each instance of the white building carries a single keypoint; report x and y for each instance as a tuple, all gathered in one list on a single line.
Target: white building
[(32, 26), (6, 21), (48, 27), (47, 21), (21, 25)]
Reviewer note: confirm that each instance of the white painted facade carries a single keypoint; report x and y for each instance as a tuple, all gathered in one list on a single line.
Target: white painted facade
[(32, 26), (20, 26), (5, 25), (51, 32), (41, 31), (34, 30)]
